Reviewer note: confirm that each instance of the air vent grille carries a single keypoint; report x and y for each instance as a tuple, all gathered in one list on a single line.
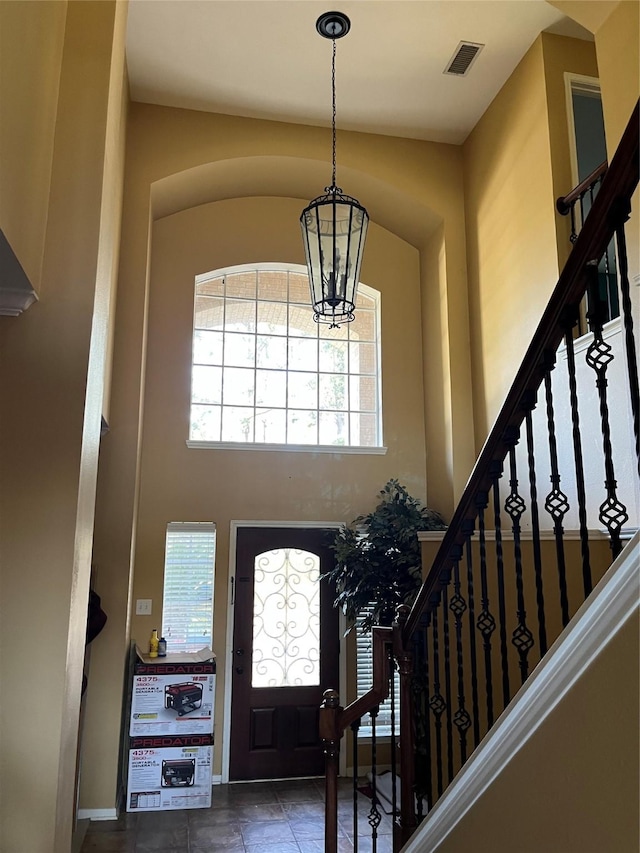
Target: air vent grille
[(463, 58)]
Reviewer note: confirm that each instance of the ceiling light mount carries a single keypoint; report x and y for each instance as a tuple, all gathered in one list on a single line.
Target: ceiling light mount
[(333, 25), (334, 225)]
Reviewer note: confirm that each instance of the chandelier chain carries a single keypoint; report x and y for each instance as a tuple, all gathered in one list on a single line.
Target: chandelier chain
[(333, 104)]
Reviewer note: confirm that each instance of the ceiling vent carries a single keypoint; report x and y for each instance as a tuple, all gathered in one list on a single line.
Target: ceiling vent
[(463, 58)]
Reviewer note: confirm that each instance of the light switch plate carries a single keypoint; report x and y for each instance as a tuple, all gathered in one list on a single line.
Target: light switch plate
[(143, 606)]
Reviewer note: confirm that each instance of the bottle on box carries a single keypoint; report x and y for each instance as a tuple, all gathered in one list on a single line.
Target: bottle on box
[(154, 641), (162, 648)]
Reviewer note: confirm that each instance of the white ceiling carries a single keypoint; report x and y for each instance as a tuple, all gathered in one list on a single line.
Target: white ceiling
[(264, 59)]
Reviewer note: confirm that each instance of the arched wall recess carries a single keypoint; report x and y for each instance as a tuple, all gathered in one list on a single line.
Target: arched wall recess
[(292, 177)]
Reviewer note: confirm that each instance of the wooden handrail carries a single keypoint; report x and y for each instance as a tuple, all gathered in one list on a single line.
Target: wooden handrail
[(382, 639), (563, 204), (610, 208)]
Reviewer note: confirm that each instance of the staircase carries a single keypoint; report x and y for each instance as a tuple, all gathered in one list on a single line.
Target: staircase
[(533, 551)]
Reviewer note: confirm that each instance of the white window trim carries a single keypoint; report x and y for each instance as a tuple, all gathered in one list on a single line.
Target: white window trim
[(286, 448)]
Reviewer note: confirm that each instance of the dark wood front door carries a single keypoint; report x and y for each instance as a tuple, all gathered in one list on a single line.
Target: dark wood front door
[(285, 652)]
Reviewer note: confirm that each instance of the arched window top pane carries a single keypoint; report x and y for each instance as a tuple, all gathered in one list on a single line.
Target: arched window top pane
[(280, 378)]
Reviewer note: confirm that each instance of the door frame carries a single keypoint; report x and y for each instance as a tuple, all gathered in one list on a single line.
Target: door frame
[(234, 526)]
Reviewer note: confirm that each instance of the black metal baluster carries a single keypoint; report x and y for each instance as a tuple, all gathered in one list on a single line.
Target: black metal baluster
[(436, 702), (394, 767), (375, 816), (613, 513), (577, 456), (486, 623), (630, 345), (447, 672), (458, 605), (529, 403), (496, 474), (574, 234), (556, 503), (355, 728), (607, 290), (522, 637), (426, 707), (467, 527)]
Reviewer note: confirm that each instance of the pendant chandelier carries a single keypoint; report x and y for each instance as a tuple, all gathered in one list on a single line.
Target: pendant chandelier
[(334, 225)]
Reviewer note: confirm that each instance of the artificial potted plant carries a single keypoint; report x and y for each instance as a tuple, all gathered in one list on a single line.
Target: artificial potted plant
[(378, 559)]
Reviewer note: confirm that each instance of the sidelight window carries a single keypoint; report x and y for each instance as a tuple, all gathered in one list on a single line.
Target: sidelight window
[(187, 601)]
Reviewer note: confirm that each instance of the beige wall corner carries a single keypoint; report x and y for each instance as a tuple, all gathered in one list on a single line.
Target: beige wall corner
[(31, 43), (619, 68), (590, 14), (51, 383), (510, 230), (563, 55)]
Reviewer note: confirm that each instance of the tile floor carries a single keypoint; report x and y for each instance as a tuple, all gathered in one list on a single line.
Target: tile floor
[(259, 817)]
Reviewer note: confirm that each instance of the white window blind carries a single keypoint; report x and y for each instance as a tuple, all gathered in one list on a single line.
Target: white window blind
[(364, 667), (187, 601)]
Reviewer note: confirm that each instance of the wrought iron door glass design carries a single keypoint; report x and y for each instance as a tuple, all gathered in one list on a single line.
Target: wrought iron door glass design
[(286, 619)]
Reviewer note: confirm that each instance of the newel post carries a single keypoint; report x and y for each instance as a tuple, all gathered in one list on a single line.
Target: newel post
[(331, 734), (403, 656)]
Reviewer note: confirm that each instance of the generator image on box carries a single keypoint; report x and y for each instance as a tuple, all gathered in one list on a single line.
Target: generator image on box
[(183, 698), (178, 772)]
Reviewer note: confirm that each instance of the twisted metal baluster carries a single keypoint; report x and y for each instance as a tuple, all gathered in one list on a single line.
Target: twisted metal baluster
[(436, 702), (495, 470), (613, 513), (486, 623), (556, 503), (529, 403), (577, 456), (375, 817), (458, 605), (522, 637), (394, 768), (467, 527), (424, 653), (630, 344), (355, 728), (446, 576)]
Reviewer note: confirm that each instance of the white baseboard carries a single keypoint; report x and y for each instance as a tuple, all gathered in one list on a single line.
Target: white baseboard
[(97, 814), (216, 779)]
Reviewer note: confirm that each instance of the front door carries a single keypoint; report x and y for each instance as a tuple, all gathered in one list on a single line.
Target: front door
[(285, 651)]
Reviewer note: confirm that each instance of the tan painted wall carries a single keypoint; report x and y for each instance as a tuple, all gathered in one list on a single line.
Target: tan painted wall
[(562, 54), (574, 785), (51, 384), (511, 241), (31, 41), (182, 484), (516, 162), (177, 159), (617, 46)]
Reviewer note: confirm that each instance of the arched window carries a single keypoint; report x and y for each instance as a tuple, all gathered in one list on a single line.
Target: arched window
[(265, 374)]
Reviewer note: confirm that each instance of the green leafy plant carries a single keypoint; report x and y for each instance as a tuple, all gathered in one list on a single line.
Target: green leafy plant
[(378, 560)]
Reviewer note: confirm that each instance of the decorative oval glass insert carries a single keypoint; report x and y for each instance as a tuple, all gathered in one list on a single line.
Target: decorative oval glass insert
[(286, 619)]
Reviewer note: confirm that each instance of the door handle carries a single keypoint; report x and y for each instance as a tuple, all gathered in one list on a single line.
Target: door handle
[(239, 670), (239, 652)]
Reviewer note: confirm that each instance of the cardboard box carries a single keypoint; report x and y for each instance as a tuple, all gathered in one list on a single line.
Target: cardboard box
[(173, 695), (164, 778)]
